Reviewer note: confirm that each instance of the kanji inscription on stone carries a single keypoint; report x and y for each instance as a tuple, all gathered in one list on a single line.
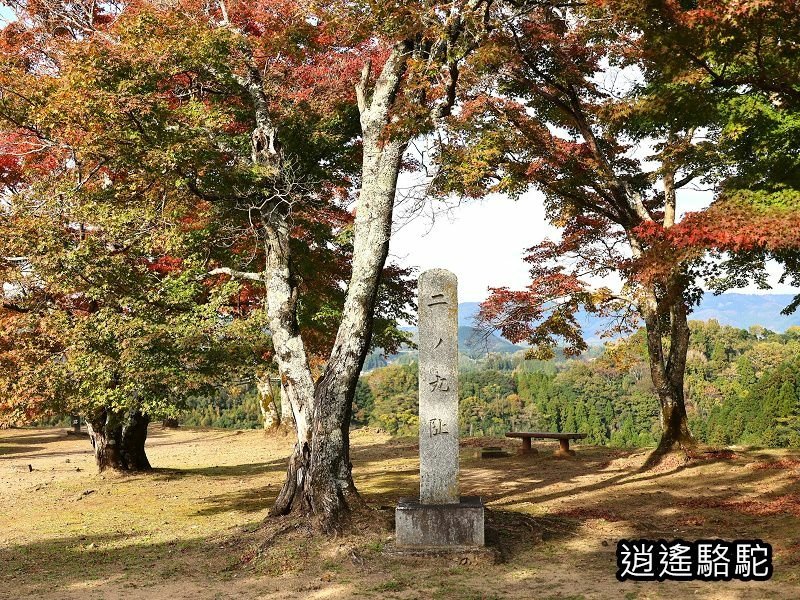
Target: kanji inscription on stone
[(438, 387)]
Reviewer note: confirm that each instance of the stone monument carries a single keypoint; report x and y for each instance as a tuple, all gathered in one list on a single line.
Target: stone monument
[(440, 518)]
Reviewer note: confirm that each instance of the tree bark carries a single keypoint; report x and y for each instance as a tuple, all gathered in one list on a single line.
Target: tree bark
[(266, 403), (668, 368), (290, 354), (282, 290), (119, 440), (134, 436), (331, 489), (105, 430), (287, 418)]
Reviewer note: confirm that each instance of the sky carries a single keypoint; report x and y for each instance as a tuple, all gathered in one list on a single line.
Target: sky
[(483, 241)]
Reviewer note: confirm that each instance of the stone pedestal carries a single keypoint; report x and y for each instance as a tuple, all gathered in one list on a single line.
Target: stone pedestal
[(440, 519), (452, 525)]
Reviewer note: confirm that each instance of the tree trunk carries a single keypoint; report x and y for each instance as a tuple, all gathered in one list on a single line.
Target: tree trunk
[(675, 429), (266, 403), (668, 370), (118, 441), (319, 478), (287, 418), (290, 354), (134, 436), (330, 488), (105, 430)]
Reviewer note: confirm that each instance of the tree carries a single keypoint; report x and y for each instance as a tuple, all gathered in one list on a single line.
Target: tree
[(732, 64), (256, 113), (96, 330), (421, 46), (557, 128), (147, 161), (549, 115)]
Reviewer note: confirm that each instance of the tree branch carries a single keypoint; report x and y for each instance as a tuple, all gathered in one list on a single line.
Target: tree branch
[(233, 274)]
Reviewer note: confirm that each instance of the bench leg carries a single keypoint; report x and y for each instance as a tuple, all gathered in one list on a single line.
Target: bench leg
[(563, 449), (526, 447)]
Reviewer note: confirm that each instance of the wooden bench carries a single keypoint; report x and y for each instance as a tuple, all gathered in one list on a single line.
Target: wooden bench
[(563, 440)]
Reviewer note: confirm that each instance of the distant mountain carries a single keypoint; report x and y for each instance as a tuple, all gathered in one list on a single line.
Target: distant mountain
[(736, 310), (473, 342), (745, 310)]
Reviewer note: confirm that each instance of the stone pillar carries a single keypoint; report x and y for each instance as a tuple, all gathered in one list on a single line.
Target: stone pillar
[(440, 519), (438, 387)]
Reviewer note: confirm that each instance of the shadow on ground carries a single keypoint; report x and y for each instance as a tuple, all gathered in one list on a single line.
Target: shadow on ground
[(242, 470), (62, 563), (554, 522)]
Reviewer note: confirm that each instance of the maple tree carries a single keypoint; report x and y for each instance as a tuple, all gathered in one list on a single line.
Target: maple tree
[(570, 101), (157, 161), (95, 320), (213, 151), (99, 317), (732, 67)]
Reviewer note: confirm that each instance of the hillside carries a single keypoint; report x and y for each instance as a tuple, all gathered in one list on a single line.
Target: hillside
[(737, 310), (741, 387)]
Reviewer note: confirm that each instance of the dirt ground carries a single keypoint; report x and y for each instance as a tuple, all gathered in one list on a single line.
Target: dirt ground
[(195, 527)]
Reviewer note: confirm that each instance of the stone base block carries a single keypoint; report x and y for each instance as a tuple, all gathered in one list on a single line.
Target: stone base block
[(439, 525)]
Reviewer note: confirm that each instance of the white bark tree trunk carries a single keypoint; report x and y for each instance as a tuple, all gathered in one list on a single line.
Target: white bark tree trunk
[(328, 493), (290, 354), (270, 417), (287, 418)]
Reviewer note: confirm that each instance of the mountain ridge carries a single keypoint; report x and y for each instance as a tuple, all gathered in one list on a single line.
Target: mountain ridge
[(733, 309)]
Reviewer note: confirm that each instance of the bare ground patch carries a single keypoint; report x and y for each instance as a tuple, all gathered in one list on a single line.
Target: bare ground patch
[(196, 528)]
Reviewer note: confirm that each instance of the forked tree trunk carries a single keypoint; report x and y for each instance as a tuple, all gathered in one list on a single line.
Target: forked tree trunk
[(319, 479), (668, 367), (675, 428), (119, 440)]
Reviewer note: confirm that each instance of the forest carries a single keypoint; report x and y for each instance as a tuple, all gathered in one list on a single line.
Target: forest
[(743, 387)]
